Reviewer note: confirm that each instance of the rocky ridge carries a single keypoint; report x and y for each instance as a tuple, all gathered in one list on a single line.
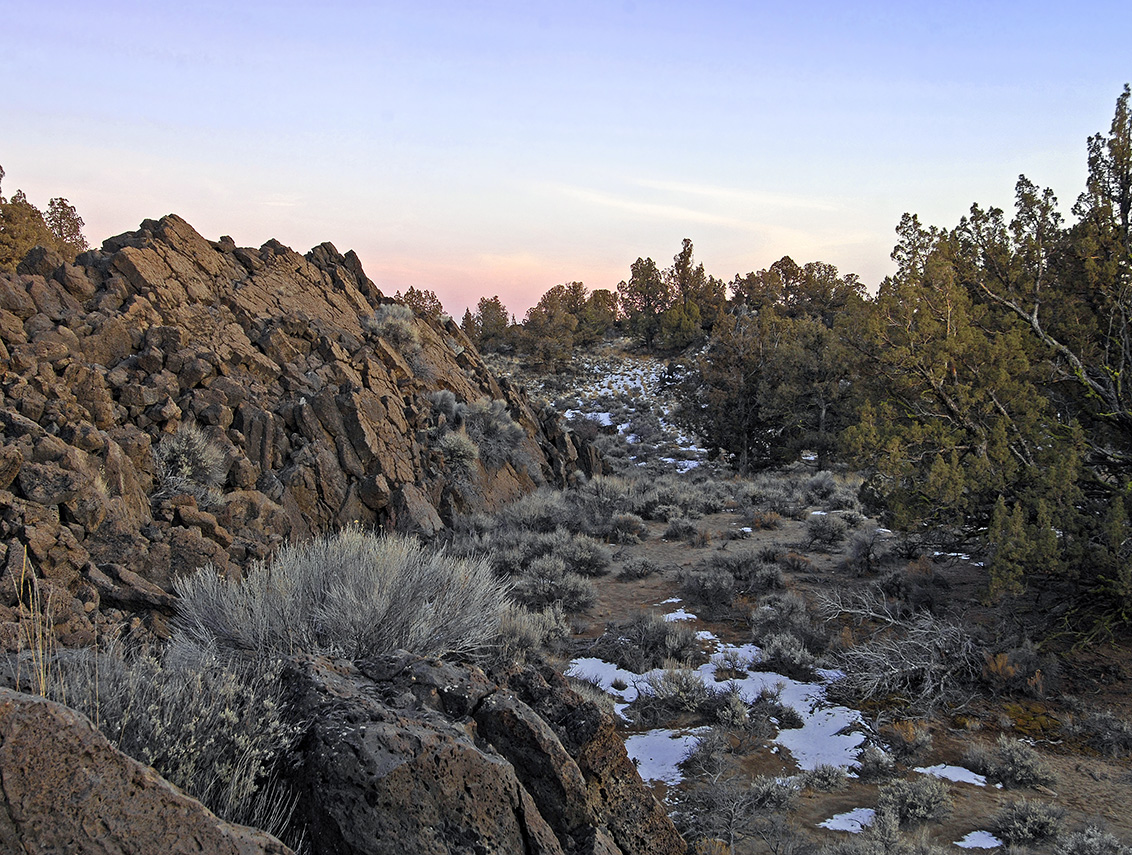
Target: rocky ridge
[(321, 421)]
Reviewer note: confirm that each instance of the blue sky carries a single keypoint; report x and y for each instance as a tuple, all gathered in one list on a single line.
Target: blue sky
[(483, 148)]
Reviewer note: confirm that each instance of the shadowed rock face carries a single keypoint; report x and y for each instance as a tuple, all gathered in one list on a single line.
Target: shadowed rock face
[(321, 421), (404, 754), (64, 788)]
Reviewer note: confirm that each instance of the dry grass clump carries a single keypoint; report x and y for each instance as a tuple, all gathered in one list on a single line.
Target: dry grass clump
[(211, 725), (188, 462), (354, 594), (524, 634), (1012, 763)]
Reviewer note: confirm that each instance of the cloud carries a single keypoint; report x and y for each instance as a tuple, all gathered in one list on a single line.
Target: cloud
[(730, 194)]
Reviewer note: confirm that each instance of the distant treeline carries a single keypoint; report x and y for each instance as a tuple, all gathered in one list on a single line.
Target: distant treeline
[(985, 390)]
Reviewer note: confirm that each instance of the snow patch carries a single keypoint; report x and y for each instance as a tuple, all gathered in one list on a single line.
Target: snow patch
[(854, 821), (658, 753), (979, 840), (953, 773)]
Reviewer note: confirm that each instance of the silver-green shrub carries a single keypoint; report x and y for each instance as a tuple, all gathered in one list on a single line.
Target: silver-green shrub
[(188, 462), (396, 324), (490, 426), (211, 725), (354, 594)]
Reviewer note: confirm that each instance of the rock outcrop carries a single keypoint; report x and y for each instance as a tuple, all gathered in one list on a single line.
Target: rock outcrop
[(321, 418), (404, 754), (64, 788)]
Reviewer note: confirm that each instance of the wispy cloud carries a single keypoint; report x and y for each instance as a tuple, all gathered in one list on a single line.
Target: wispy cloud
[(279, 200), (658, 210), (748, 197)]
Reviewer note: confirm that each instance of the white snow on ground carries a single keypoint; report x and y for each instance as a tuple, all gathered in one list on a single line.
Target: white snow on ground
[(853, 821), (979, 840), (680, 614), (953, 773), (830, 734), (658, 753), (670, 600)]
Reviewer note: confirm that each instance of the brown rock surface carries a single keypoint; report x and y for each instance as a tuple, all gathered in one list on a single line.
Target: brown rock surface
[(65, 789), (321, 422)]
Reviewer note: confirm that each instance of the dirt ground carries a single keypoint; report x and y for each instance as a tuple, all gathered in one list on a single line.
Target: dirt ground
[(1088, 786)]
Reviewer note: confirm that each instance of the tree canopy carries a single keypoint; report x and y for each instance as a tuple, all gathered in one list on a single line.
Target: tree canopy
[(23, 226)]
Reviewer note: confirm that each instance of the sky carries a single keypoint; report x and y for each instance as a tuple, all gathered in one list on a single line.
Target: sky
[(500, 148)]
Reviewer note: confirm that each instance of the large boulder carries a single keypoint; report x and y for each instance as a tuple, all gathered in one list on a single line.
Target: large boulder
[(65, 789), (405, 754)]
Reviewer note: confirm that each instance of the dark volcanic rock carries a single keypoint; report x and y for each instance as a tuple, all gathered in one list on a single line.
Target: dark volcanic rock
[(404, 754)]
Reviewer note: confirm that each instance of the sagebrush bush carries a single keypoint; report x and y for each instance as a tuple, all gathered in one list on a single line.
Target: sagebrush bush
[(1012, 763), (460, 452), (714, 590), (212, 726), (753, 576), (681, 528), (921, 799), (1024, 821), (1103, 731), (645, 640), (779, 613), (668, 693), (396, 324), (188, 462), (909, 739), (354, 594), (1091, 840), (784, 653), (865, 550), (875, 764), (768, 707), (444, 404), (546, 582), (820, 486), (489, 424), (824, 531), (637, 568), (824, 778)]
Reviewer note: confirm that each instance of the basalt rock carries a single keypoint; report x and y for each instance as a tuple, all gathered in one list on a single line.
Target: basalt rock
[(320, 421), (404, 754)]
